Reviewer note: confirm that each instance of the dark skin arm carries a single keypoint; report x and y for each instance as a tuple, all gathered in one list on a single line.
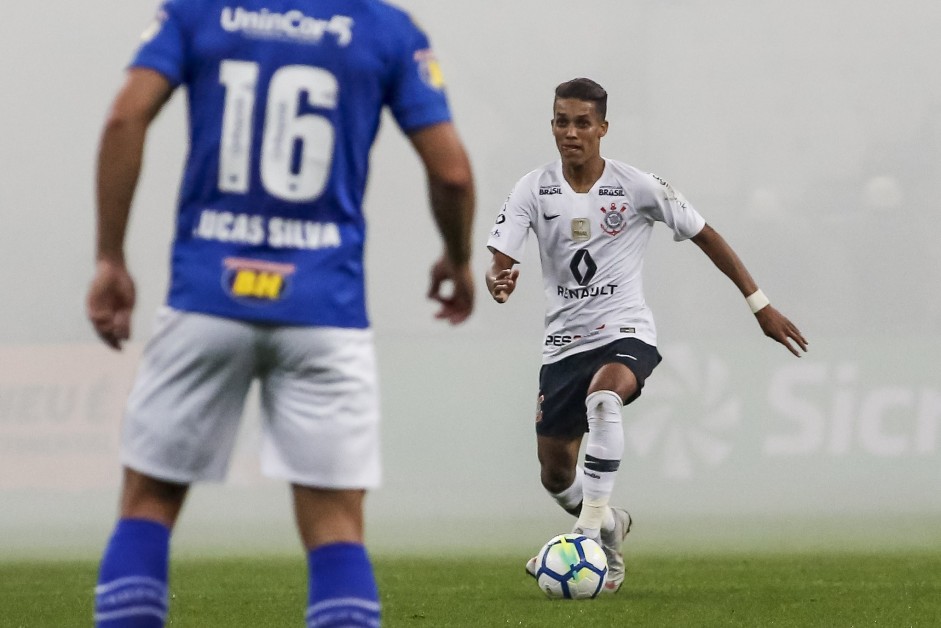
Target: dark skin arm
[(501, 276), (451, 193), (774, 324), (111, 295)]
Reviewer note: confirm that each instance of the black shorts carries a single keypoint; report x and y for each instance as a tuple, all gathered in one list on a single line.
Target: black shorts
[(563, 385)]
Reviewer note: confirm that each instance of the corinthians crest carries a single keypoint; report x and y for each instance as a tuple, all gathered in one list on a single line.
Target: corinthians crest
[(614, 220)]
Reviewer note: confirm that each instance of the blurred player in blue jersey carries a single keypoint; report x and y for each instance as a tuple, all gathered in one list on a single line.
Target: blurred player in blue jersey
[(284, 100)]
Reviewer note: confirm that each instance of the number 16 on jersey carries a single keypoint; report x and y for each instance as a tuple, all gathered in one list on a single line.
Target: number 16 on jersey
[(296, 149)]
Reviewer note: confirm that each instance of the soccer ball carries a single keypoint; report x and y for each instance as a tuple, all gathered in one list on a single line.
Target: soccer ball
[(571, 567)]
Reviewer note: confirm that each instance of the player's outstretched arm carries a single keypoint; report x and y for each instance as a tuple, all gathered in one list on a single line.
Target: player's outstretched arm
[(774, 324), (111, 295), (501, 276), (451, 191)]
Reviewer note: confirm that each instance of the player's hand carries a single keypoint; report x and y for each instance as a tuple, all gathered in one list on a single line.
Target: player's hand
[(453, 288), (777, 327), (110, 302), (503, 284)]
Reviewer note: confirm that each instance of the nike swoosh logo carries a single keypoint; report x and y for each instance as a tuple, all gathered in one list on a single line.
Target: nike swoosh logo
[(551, 217), (624, 355)]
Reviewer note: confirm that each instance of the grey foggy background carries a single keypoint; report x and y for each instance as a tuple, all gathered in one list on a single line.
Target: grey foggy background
[(808, 133)]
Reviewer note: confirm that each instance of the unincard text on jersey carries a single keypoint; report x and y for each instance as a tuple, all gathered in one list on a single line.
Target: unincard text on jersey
[(293, 25)]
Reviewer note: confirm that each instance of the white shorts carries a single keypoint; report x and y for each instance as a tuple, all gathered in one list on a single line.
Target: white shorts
[(319, 397)]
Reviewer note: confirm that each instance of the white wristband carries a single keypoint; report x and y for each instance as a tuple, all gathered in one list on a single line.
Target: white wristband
[(757, 300)]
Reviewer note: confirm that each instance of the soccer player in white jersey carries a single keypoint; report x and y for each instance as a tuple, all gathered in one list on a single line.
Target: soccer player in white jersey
[(285, 99), (593, 217)]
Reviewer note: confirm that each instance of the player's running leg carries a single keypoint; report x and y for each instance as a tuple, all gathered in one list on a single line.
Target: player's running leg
[(322, 436), (132, 580), (604, 449), (342, 589), (560, 476)]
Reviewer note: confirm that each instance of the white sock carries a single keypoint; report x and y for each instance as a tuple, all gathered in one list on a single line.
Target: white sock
[(571, 498), (571, 501), (603, 453)]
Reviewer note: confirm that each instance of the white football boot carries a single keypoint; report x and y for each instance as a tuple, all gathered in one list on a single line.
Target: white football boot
[(611, 543), (531, 566)]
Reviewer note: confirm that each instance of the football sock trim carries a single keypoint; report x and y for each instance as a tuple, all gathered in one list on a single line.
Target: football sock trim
[(132, 580), (600, 465), (342, 589)]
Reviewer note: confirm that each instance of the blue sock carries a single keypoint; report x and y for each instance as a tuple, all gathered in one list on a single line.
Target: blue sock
[(342, 588), (132, 580)]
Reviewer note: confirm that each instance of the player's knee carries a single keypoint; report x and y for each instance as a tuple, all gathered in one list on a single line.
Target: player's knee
[(603, 406), (556, 479), (146, 497)]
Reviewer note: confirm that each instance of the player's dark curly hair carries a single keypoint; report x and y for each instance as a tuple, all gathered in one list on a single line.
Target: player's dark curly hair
[(585, 89)]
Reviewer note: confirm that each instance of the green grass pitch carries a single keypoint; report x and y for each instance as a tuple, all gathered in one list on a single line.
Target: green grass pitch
[(734, 589)]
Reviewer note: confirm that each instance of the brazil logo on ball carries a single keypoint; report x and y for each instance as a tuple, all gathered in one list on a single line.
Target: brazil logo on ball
[(571, 567)]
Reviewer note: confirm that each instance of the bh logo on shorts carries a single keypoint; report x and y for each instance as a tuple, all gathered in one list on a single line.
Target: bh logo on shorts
[(614, 220), (255, 281)]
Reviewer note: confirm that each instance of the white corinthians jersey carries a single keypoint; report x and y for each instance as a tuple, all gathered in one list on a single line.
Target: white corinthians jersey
[(592, 249)]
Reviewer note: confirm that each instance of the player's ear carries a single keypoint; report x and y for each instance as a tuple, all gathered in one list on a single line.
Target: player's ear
[(604, 128)]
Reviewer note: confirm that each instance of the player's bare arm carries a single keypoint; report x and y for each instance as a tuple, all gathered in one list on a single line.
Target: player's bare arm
[(774, 324), (111, 296), (501, 276), (451, 191)]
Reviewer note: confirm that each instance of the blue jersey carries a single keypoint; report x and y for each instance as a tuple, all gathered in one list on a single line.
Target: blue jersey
[(284, 100)]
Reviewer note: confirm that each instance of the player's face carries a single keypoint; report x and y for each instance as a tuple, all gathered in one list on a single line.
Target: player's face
[(578, 130)]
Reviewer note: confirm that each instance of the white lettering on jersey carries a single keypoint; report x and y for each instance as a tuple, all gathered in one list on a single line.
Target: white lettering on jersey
[(229, 227), (302, 234), (585, 293), (282, 233), (290, 25)]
